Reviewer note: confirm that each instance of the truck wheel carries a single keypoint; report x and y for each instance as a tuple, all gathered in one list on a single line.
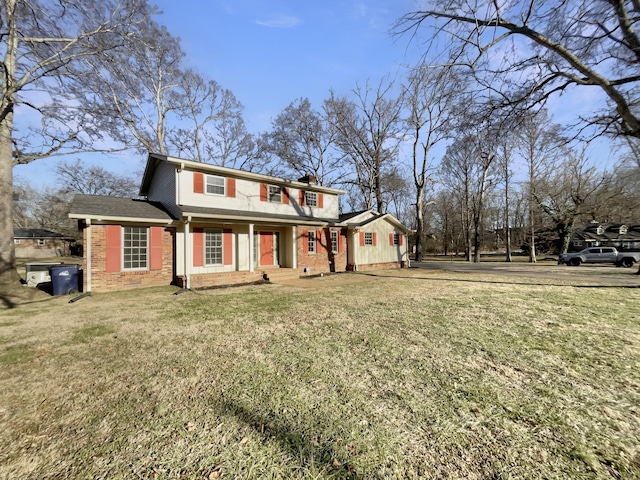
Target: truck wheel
[(576, 262), (627, 262)]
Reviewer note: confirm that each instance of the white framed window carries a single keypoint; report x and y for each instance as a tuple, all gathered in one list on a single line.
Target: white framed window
[(212, 246), (311, 241), (215, 185), (41, 242), (135, 248), (396, 239), (16, 241), (275, 194), (334, 241), (311, 199), (368, 239)]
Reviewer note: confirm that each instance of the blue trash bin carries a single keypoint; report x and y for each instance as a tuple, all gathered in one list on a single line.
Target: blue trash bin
[(64, 279)]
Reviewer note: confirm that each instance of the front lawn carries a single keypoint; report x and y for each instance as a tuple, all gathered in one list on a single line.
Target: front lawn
[(412, 375)]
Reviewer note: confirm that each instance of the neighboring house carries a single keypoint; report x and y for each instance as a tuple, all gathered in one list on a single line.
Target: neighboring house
[(202, 225), (621, 236), (40, 243)]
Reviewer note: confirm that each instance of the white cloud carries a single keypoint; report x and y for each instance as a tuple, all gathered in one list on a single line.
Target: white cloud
[(280, 21)]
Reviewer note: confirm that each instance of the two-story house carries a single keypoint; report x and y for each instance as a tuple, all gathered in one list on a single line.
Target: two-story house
[(200, 225)]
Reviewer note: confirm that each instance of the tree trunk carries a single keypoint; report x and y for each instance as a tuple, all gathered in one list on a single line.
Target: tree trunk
[(8, 272), (419, 224)]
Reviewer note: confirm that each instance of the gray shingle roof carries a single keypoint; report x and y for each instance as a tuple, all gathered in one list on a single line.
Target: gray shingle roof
[(95, 206), (35, 233)]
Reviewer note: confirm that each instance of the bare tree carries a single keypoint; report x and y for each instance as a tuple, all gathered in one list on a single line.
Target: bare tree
[(44, 46), (368, 131), (75, 177), (568, 194), (304, 142), (541, 48), (541, 146), (215, 131), (428, 97)]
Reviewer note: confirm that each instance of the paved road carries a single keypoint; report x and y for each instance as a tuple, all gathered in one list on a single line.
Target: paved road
[(597, 275)]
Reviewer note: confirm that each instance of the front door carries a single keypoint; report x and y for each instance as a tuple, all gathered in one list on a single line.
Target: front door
[(266, 248)]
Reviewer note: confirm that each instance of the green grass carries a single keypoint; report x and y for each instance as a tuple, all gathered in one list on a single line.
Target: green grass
[(416, 377)]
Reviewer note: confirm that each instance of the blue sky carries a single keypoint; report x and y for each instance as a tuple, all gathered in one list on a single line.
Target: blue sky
[(270, 53)]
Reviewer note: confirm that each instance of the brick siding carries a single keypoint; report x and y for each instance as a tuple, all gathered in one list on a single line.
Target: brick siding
[(103, 281)]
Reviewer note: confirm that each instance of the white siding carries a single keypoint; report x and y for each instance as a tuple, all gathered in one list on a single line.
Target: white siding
[(382, 252), (248, 199)]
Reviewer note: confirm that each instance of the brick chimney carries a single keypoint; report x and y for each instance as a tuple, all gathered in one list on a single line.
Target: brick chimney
[(310, 179)]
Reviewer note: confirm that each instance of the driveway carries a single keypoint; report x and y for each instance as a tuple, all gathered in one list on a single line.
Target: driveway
[(596, 275)]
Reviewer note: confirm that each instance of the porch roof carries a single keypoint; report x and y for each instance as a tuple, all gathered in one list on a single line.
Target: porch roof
[(242, 216), (104, 207)]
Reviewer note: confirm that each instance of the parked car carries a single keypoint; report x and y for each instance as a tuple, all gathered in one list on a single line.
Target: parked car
[(600, 255)]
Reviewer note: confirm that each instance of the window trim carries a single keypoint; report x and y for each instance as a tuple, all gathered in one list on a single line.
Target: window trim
[(223, 186), (206, 232), (147, 249), (271, 197), (312, 242)]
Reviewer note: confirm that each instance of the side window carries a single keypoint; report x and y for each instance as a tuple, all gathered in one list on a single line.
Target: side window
[(215, 185), (311, 241), (334, 241), (135, 248), (396, 239), (41, 242), (368, 238)]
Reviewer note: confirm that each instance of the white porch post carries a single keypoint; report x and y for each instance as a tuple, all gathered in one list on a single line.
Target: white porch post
[(294, 256), (87, 254), (187, 254), (251, 269)]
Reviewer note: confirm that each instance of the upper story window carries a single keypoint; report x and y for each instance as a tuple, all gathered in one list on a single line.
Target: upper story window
[(215, 185), (368, 238), (311, 199), (275, 193), (135, 248)]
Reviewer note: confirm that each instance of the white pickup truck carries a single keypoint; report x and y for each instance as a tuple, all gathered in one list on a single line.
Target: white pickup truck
[(600, 255)]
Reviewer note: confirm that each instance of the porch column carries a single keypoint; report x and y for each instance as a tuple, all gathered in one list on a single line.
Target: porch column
[(187, 253), (87, 254), (294, 256), (251, 269)]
